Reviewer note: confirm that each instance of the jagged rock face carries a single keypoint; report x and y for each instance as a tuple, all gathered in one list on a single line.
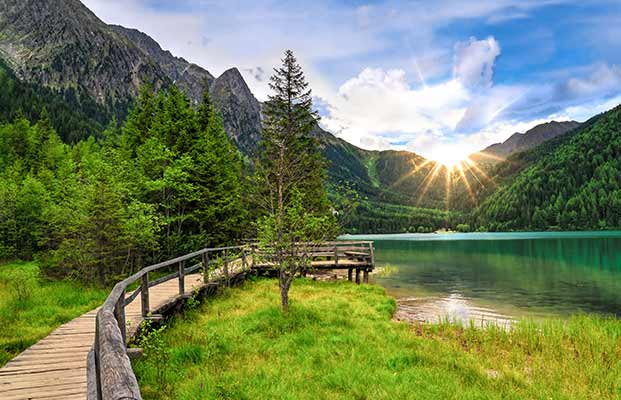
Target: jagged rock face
[(189, 77), (240, 110), (62, 44), (524, 141)]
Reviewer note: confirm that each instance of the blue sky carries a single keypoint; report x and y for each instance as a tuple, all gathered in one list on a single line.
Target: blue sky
[(442, 78)]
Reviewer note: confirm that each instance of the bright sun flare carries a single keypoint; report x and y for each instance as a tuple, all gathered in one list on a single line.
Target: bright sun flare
[(449, 156)]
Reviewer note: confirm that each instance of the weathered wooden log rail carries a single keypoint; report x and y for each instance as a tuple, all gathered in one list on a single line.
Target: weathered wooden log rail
[(55, 367), (110, 375)]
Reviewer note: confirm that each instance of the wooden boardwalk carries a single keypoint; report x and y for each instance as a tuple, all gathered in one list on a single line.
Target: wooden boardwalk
[(55, 367), (87, 357)]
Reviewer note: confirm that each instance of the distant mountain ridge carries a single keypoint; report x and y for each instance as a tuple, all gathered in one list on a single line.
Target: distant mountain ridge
[(571, 182), (519, 142)]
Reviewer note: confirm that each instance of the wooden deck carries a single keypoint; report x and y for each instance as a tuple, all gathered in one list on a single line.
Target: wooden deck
[(55, 367), (87, 357)]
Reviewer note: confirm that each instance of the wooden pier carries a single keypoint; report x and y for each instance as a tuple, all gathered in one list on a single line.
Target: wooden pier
[(352, 256), (87, 358)]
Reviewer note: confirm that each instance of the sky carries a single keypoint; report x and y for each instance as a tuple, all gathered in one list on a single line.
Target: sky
[(442, 78)]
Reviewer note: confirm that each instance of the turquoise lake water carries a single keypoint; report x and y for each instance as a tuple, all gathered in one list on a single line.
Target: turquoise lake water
[(536, 274)]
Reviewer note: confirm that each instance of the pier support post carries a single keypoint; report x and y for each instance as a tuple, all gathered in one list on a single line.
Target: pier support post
[(349, 274), (357, 276), (365, 276)]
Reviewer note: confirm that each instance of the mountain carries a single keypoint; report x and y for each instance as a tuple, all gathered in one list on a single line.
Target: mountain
[(189, 77), (73, 120), (240, 110), (570, 182), (61, 44), (519, 142)]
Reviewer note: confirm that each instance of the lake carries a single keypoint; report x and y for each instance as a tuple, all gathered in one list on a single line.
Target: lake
[(480, 275)]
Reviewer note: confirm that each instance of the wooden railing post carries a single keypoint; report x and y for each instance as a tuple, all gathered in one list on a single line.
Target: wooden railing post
[(336, 255), (144, 295), (358, 276), (226, 268), (119, 314), (244, 265), (181, 277), (96, 347), (206, 265)]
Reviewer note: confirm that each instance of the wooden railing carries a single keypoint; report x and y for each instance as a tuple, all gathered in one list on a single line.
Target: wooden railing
[(358, 256), (110, 373)]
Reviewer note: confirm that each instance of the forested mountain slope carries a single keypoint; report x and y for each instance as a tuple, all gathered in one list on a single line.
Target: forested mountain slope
[(72, 117), (574, 183)]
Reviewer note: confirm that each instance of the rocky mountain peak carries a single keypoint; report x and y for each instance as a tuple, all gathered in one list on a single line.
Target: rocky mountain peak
[(189, 77), (240, 110), (62, 44)]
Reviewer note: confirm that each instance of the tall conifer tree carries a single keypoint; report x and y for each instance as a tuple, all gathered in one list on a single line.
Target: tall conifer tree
[(290, 175)]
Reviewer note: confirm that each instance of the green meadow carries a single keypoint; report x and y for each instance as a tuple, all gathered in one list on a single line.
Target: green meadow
[(338, 342)]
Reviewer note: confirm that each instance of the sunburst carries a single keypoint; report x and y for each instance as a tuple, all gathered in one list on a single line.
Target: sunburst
[(466, 170)]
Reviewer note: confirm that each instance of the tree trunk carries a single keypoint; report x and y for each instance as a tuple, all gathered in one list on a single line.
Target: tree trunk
[(285, 284), (284, 300)]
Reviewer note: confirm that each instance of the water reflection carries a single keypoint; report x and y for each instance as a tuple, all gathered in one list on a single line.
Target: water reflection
[(539, 275), (453, 308)]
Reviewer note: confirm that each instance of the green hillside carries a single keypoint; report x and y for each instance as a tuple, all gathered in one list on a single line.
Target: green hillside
[(573, 183)]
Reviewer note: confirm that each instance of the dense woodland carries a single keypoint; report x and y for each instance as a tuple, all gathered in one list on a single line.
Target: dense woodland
[(71, 113), (167, 182)]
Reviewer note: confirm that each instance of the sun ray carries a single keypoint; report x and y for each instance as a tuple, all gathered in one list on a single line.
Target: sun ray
[(474, 166), (460, 169), (488, 155), (448, 188), (429, 179), (411, 173)]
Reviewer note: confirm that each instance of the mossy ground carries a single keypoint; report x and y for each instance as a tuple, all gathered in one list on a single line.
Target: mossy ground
[(338, 342), (31, 306)]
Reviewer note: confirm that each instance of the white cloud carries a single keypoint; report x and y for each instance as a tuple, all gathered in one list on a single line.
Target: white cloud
[(474, 61), (425, 118)]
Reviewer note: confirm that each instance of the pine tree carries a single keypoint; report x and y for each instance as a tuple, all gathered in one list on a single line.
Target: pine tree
[(290, 175), (217, 176)]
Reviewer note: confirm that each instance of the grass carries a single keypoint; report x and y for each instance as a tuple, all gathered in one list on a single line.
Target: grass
[(31, 306), (338, 342)]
